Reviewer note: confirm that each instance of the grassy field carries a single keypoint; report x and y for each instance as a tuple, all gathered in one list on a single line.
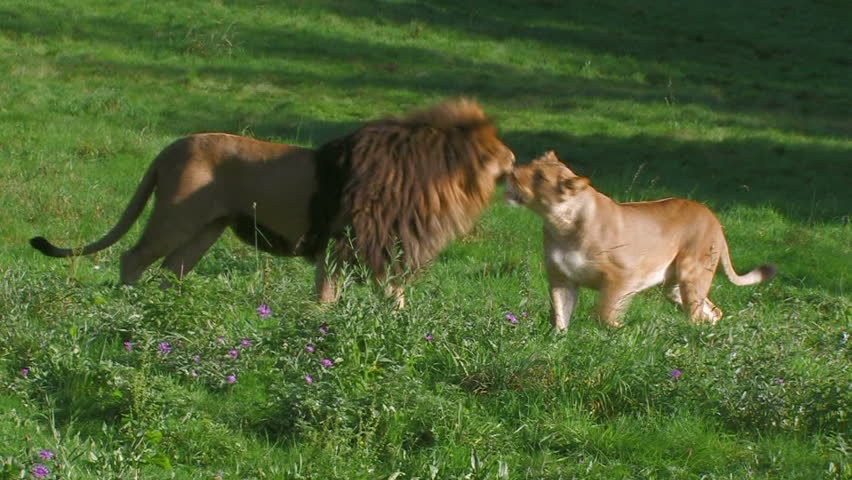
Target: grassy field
[(743, 107)]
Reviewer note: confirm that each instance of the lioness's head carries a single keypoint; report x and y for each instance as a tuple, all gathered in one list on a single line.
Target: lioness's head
[(543, 183)]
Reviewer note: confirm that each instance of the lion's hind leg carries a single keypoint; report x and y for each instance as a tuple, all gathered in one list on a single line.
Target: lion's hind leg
[(168, 229), (184, 258)]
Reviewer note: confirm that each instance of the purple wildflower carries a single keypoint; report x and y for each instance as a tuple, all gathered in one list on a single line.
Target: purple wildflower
[(25, 371), (512, 318), (675, 374), (40, 471), (231, 379), (428, 337), (263, 310), (233, 353), (245, 343), (323, 329), (780, 381), (128, 345), (165, 348), (194, 374), (309, 348), (196, 358), (220, 340), (309, 379), (45, 454), (327, 363)]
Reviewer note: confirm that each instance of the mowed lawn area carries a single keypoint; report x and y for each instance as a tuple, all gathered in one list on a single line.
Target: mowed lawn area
[(743, 106)]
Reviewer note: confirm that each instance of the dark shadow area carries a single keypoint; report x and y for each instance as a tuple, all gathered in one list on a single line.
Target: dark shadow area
[(777, 57), (689, 54)]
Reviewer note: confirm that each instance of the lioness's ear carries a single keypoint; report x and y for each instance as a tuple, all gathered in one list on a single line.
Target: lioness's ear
[(573, 184), (581, 182), (551, 155)]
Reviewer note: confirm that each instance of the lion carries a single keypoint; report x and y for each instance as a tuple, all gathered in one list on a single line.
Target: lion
[(412, 185), (621, 249), (413, 182)]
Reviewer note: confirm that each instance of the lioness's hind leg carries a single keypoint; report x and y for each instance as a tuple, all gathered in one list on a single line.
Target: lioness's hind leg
[(694, 281), (185, 257), (709, 310)]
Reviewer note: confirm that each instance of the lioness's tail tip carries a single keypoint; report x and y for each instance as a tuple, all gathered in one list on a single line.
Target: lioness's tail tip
[(768, 271), (42, 245)]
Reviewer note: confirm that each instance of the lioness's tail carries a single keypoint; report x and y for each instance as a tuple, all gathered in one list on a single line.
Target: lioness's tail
[(759, 274), (131, 213)]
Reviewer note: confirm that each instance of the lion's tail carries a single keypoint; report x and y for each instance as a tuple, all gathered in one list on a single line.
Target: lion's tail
[(131, 213), (762, 273)]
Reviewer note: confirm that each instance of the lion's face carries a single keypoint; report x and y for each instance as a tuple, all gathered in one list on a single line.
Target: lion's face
[(503, 161), (543, 183)]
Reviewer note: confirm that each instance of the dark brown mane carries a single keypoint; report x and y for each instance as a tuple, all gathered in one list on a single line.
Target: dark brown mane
[(405, 186)]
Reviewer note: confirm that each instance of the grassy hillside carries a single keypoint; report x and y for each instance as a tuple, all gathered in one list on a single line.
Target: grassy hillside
[(742, 107)]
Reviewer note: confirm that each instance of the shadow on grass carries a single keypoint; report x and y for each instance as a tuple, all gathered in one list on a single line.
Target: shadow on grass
[(803, 181), (767, 56), (739, 59)]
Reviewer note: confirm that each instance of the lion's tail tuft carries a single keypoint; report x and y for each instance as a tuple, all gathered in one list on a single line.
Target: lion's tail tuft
[(44, 246)]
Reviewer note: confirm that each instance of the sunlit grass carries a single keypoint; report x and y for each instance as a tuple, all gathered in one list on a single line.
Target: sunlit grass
[(739, 107)]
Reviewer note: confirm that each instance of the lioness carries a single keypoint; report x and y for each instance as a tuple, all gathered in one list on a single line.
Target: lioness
[(622, 248)]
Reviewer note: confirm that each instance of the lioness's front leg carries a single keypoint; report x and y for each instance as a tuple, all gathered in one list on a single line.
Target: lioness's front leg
[(563, 298), (614, 299)]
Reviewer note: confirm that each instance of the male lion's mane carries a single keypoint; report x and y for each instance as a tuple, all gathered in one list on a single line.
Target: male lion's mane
[(404, 186)]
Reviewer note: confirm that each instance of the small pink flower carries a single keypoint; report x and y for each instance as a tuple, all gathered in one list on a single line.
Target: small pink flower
[(231, 379), (40, 471), (194, 374), (245, 343), (45, 454), (128, 345), (25, 372), (675, 374), (165, 348), (511, 318), (428, 337), (323, 329), (233, 353), (327, 363), (309, 379), (263, 310), (309, 348), (220, 340), (196, 358)]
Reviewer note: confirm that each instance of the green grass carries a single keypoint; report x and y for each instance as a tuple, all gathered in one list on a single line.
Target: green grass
[(743, 107)]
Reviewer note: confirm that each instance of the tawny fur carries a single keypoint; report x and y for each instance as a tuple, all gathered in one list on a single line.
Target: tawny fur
[(621, 249)]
